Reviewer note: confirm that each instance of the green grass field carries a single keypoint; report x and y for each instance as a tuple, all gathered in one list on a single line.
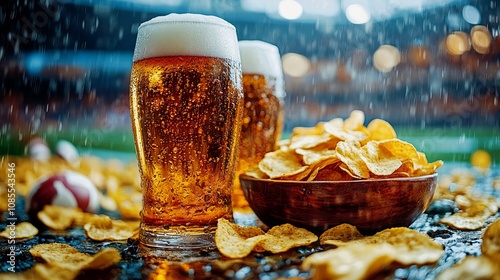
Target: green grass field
[(450, 145)]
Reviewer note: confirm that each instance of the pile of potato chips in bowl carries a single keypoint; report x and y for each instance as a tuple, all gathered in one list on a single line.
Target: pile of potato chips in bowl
[(342, 171)]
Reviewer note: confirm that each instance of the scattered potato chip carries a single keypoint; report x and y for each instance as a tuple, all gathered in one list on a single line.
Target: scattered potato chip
[(355, 261), (491, 241), (58, 217), (67, 257), (412, 247), (236, 241), (105, 229), (284, 237), (341, 234), (21, 231), (472, 268), (47, 271), (473, 212)]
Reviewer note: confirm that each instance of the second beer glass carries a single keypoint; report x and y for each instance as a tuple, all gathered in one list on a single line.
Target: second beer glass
[(186, 108), (263, 116)]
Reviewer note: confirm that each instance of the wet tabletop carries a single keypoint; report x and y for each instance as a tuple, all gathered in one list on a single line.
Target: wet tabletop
[(143, 263)]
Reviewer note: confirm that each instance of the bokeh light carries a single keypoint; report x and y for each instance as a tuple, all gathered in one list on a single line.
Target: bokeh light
[(386, 57), (295, 65), (290, 9), (357, 14)]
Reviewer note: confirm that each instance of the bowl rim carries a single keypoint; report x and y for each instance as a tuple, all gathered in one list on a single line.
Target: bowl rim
[(246, 177)]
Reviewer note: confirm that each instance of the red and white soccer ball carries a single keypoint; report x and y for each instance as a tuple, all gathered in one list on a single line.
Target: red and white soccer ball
[(68, 189)]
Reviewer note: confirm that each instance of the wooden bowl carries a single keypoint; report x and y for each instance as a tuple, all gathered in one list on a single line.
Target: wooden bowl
[(370, 205)]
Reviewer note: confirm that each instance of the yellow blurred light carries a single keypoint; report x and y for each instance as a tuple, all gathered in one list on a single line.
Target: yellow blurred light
[(386, 57), (457, 43), (481, 39), (295, 65)]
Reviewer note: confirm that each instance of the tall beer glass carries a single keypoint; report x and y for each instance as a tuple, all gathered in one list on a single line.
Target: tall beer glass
[(262, 125), (186, 108)]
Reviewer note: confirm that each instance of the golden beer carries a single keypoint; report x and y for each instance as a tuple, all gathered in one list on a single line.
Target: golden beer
[(263, 114), (186, 114)]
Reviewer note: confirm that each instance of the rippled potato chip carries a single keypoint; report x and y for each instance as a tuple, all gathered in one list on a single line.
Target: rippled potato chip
[(491, 241), (67, 257), (381, 130), (340, 234), (348, 153), (379, 160), (412, 247), (362, 153), (21, 230), (58, 217), (472, 268), (473, 212), (106, 229), (236, 241), (284, 237), (279, 164), (352, 262)]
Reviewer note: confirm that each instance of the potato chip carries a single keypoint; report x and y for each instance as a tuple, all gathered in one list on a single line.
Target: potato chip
[(130, 209), (412, 247), (58, 217), (491, 241), (473, 212), (48, 271), (472, 268), (311, 156), (316, 130), (284, 237), (400, 149), (315, 168), (106, 229), (21, 231), (342, 233), (340, 133), (355, 261), (378, 160), (348, 153), (305, 141), (67, 257), (355, 120), (236, 241), (255, 172), (278, 164), (381, 130), (332, 172)]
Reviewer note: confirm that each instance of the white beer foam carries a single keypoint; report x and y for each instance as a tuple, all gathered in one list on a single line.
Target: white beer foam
[(186, 34), (258, 57)]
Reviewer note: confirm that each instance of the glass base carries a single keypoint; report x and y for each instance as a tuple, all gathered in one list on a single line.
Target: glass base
[(178, 238)]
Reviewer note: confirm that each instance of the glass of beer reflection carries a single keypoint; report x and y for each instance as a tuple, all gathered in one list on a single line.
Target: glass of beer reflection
[(186, 109), (263, 114)]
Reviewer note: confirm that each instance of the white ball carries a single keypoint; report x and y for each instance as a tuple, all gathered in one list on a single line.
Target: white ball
[(38, 149), (68, 189), (67, 151)]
